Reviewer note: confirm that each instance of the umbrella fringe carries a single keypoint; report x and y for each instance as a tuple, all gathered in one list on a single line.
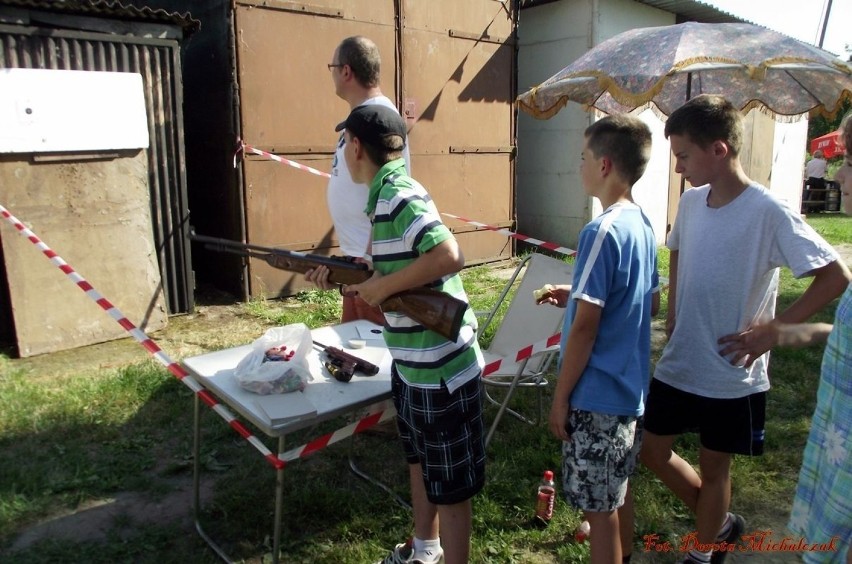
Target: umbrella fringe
[(546, 113), (560, 103)]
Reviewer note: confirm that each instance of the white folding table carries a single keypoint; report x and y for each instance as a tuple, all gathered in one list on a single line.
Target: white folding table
[(323, 398)]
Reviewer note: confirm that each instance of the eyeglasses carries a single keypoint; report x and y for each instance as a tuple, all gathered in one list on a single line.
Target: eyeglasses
[(332, 65)]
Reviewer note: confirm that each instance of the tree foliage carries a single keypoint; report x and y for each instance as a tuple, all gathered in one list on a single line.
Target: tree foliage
[(821, 125)]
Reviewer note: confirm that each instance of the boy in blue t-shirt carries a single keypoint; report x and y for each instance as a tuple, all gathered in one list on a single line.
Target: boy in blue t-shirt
[(606, 341)]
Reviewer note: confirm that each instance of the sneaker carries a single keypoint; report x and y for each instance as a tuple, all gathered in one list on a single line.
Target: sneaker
[(404, 554), (733, 537)]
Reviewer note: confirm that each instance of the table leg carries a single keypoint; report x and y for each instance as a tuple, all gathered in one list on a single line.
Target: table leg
[(279, 505), (353, 467), (196, 481)]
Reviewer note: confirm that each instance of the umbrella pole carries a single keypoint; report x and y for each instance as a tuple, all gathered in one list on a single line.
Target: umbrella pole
[(688, 96)]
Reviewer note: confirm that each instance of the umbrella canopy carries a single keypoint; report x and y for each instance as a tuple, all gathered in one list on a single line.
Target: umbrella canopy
[(831, 144), (749, 65)]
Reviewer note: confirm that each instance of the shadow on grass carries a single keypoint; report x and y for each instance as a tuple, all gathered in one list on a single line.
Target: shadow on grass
[(112, 491)]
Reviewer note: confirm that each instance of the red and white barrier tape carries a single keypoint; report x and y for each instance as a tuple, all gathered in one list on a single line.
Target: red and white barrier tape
[(281, 160), (280, 460), (336, 436), (525, 238), (664, 282), (143, 339), (524, 353)]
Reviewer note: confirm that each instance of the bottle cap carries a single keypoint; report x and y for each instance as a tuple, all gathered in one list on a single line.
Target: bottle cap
[(548, 475)]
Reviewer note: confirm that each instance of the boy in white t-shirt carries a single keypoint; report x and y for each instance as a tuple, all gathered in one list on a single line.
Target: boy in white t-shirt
[(729, 239)]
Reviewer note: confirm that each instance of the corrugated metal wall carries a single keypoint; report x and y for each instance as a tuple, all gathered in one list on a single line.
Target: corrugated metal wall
[(158, 61)]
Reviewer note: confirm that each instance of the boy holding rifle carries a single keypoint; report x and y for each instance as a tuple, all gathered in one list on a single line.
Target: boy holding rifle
[(435, 381)]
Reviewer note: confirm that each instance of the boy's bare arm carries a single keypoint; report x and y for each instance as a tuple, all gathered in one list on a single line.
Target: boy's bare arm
[(829, 282), (670, 314), (443, 259), (575, 357), (743, 346)]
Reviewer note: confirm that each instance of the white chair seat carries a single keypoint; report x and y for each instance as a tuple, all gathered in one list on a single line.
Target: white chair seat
[(524, 323)]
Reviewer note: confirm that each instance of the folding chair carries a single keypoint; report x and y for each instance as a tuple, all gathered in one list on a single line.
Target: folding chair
[(525, 323)]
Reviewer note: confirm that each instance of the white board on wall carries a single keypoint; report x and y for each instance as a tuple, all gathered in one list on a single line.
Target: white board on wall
[(59, 111)]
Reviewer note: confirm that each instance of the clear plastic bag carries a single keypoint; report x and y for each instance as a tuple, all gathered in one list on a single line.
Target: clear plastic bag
[(277, 362)]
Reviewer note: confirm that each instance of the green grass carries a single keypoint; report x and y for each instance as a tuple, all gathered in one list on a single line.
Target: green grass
[(836, 229), (67, 444)]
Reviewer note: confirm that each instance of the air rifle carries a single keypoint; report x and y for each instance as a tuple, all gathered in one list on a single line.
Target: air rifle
[(436, 311), (343, 365)]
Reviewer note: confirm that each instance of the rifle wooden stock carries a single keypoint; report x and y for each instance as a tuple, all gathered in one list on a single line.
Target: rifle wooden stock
[(437, 311)]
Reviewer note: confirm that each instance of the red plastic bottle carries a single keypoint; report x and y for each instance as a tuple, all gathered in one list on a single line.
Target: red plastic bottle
[(546, 498)]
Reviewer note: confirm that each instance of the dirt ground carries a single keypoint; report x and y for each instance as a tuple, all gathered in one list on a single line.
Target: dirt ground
[(217, 323)]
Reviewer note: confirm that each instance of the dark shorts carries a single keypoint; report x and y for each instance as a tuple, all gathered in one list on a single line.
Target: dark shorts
[(443, 432), (734, 426)]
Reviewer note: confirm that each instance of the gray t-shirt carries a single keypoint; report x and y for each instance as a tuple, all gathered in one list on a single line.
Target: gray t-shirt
[(727, 280)]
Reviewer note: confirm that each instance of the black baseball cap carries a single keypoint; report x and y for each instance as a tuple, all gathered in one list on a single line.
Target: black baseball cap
[(373, 124)]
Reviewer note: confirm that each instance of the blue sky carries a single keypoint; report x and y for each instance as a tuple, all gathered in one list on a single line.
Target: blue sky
[(797, 18)]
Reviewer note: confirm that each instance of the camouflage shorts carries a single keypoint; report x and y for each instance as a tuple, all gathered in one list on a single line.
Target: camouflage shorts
[(599, 458)]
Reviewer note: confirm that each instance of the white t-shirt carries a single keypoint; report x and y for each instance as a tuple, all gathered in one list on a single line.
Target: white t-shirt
[(347, 200), (727, 280), (815, 168)]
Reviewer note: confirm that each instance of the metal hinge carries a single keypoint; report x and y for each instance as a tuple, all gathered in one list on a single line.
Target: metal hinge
[(472, 149), (478, 37)]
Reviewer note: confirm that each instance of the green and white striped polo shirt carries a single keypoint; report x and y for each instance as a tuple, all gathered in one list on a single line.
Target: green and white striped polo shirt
[(406, 224)]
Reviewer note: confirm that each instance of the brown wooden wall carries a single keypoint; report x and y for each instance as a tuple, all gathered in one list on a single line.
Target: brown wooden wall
[(450, 67)]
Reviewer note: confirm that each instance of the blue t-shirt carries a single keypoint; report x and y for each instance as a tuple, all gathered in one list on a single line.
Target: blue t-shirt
[(616, 269)]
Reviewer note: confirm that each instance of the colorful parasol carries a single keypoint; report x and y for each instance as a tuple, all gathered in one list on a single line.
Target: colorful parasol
[(664, 66)]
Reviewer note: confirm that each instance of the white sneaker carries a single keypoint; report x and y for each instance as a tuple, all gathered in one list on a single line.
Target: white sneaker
[(404, 554)]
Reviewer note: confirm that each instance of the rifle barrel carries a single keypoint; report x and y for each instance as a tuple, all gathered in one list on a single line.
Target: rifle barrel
[(235, 247)]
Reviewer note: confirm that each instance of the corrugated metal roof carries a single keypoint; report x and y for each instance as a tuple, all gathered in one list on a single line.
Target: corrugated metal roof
[(112, 8), (685, 10), (693, 10)]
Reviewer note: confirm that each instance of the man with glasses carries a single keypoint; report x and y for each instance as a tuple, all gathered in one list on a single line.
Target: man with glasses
[(354, 70)]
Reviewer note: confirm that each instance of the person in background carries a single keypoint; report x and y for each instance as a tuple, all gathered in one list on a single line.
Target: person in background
[(815, 180), (822, 508), (730, 237), (355, 71), (605, 353), (435, 382)]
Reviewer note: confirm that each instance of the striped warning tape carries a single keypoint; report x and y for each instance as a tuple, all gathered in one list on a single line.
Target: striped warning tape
[(525, 238), (143, 339), (277, 461), (336, 436), (282, 160), (524, 353), (664, 282), (385, 415)]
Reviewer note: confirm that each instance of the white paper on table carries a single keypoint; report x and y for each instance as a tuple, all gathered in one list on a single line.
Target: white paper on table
[(370, 332)]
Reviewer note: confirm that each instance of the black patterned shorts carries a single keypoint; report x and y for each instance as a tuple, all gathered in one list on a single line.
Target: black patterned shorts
[(443, 432), (599, 458)]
